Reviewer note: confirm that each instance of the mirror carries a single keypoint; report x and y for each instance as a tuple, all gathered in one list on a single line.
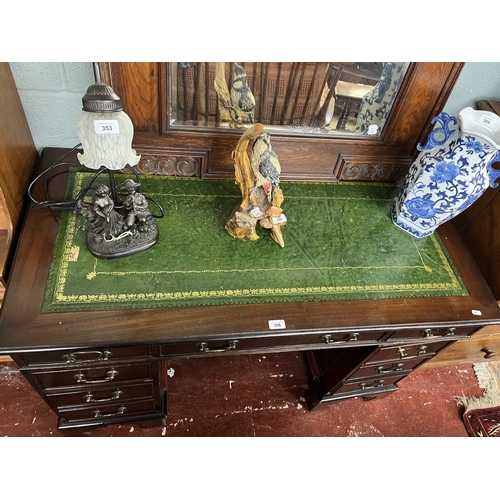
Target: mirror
[(289, 97)]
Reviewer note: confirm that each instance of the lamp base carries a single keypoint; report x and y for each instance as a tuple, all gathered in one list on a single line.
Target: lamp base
[(118, 230), (127, 243)]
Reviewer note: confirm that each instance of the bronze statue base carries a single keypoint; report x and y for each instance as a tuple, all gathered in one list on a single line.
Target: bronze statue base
[(127, 243)]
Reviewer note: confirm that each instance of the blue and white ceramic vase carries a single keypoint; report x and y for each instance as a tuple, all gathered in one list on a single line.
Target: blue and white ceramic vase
[(452, 171)]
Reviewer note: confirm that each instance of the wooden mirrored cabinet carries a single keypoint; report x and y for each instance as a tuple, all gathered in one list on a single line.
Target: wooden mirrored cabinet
[(307, 107)]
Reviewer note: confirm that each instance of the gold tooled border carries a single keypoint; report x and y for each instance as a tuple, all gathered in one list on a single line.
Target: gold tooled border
[(61, 297)]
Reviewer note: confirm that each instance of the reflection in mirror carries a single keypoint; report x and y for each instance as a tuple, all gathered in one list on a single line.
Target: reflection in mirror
[(290, 97)]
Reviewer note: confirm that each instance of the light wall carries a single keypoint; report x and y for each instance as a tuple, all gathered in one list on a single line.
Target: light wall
[(478, 81), (51, 93)]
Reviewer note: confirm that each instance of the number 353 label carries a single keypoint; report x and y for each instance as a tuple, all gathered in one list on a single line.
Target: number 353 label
[(106, 127)]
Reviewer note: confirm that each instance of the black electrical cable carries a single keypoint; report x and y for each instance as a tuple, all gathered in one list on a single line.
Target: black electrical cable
[(158, 205), (60, 205)]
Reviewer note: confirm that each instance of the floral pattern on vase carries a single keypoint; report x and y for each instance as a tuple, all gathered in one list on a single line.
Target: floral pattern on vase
[(452, 171), (377, 103)]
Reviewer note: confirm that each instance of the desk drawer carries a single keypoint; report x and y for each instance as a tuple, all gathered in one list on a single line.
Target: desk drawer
[(79, 356), (93, 377), (407, 352), (369, 385), (206, 347), (386, 368), (367, 395), (114, 411), (432, 333), (121, 393)]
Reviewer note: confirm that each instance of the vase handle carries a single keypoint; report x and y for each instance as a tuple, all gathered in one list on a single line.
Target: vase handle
[(493, 173), (444, 119)]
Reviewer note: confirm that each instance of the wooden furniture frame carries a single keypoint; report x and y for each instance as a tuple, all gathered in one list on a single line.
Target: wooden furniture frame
[(144, 88), (104, 367), (17, 154)]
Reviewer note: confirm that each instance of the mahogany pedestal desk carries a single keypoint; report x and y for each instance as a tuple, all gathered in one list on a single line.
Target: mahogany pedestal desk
[(105, 367)]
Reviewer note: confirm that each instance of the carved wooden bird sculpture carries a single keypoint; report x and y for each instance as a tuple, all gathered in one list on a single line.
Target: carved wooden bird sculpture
[(265, 165), (241, 96)]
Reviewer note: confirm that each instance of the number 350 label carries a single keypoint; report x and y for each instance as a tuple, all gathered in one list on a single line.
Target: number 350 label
[(106, 127)]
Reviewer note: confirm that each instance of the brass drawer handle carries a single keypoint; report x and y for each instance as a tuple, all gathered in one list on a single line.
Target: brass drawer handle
[(397, 368), (81, 378), (72, 357), (436, 332), (90, 398), (380, 383), (203, 347), (120, 411), (327, 339), (489, 352), (422, 350)]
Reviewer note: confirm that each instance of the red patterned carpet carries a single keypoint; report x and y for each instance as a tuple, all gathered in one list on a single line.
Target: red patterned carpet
[(262, 395)]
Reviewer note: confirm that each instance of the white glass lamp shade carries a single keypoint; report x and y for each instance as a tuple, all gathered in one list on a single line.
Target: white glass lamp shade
[(107, 140)]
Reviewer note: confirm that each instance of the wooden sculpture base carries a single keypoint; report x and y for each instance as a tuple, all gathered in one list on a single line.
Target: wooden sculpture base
[(254, 206)]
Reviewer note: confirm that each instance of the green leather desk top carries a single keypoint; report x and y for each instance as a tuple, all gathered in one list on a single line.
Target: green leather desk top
[(340, 244)]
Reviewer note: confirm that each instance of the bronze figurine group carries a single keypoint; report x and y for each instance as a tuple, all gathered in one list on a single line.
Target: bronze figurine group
[(118, 230)]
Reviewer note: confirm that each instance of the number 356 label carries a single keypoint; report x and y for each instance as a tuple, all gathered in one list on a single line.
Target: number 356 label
[(277, 324), (106, 127)]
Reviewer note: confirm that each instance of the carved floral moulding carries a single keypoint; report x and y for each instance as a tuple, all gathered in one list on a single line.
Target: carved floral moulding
[(187, 164), (355, 171), (172, 163)]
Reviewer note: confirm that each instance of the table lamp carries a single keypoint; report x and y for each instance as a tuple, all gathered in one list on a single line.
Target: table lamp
[(106, 133), (116, 228)]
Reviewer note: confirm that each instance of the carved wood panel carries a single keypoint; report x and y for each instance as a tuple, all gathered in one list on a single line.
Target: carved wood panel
[(171, 164), (371, 170)]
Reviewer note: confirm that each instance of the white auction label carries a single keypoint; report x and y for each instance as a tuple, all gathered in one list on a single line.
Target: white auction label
[(277, 324), (487, 121), (372, 130), (256, 212), (106, 127), (279, 220)]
